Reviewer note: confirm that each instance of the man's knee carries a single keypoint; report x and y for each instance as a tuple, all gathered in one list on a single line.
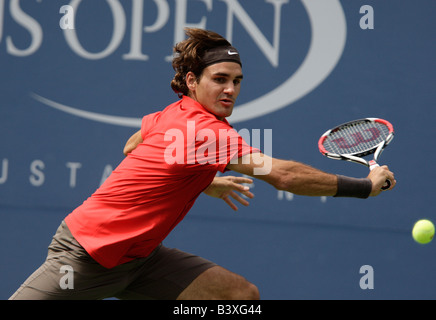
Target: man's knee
[(247, 291), (221, 284), (236, 287)]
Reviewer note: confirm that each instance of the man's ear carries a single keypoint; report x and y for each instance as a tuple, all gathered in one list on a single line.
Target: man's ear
[(191, 81)]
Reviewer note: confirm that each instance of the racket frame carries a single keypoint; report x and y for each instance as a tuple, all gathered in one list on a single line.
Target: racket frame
[(358, 157)]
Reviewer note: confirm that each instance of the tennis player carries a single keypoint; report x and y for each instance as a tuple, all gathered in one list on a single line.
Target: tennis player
[(112, 243)]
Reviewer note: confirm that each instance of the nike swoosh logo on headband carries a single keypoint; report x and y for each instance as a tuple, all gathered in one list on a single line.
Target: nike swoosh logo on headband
[(231, 53)]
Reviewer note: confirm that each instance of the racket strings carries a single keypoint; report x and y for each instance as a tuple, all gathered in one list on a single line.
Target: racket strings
[(356, 138)]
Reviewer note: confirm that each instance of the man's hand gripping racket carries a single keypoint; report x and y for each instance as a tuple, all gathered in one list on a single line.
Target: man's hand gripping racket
[(354, 140)]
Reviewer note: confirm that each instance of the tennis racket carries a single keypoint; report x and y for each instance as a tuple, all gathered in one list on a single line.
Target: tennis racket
[(356, 139)]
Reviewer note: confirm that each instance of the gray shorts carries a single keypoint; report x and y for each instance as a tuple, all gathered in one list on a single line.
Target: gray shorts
[(69, 272)]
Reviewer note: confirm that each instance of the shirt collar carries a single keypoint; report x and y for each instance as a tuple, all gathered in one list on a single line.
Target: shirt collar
[(188, 101)]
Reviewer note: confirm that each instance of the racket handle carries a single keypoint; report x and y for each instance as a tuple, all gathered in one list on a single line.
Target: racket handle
[(373, 165)]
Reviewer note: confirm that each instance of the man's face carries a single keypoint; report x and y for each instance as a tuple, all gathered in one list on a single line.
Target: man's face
[(218, 88)]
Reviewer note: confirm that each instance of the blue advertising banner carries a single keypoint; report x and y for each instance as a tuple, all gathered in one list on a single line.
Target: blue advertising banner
[(76, 78)]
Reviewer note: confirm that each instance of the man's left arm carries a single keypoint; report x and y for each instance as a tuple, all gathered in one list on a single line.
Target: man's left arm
[(132, 143), (226, 187)]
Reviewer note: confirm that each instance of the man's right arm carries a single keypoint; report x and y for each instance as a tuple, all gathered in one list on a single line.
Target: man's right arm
[(302, 179)]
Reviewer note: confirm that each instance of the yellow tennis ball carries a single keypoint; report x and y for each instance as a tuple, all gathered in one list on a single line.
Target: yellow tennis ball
[(423, 231)]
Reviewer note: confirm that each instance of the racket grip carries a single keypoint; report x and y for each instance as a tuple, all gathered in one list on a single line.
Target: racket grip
[(387, 185), (373, 165)]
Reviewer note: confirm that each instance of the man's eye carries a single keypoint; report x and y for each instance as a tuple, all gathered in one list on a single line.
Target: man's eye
[(220, 80)]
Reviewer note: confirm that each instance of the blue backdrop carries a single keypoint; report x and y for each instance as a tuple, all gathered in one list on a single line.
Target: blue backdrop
[(70, 98)]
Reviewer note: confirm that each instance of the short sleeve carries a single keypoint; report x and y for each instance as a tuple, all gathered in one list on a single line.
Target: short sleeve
[(148, 122), (234, 147), (217, 143)]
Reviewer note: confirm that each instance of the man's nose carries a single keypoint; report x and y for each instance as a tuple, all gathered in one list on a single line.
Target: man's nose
[(230, 88)]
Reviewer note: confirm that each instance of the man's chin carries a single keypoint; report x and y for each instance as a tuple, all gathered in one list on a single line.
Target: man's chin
[(225, 115)]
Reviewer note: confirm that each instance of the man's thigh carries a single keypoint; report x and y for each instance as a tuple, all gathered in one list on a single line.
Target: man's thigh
[(168, 273), (70, 273)]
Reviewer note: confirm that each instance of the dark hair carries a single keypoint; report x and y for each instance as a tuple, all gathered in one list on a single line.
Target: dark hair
[(188, 56)]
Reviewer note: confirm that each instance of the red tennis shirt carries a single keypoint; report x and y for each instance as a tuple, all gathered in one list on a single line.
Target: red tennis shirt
[(154, 187)]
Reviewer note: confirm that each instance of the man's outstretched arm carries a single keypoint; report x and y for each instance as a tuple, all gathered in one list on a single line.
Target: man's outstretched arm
[(303, 179)]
